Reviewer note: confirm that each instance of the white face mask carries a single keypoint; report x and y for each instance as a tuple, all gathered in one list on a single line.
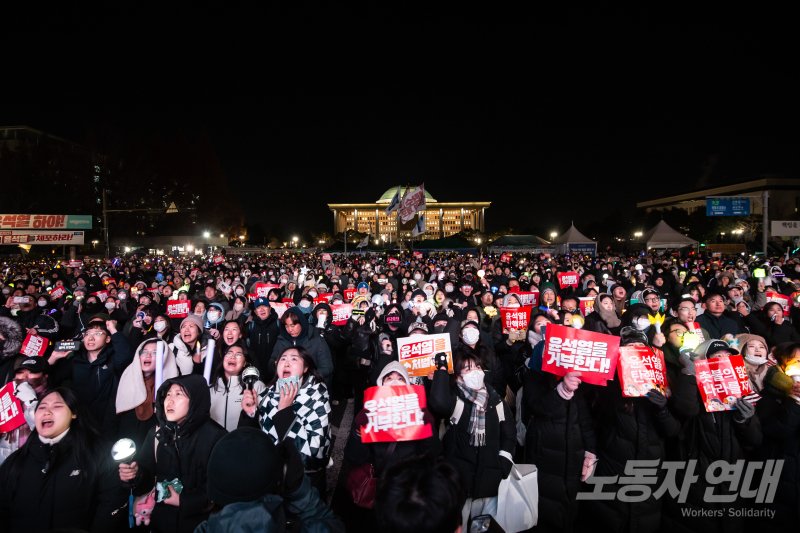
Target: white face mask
[(43, 303), (474, 379), (213, 316), (471, 336), (239, 292), (417, 277), (122, 296), (305, 304), (321, 318), (641, 323), (109, 305), (313, 294), (160, 326), (534, 338), (755, 360), (448, 288)]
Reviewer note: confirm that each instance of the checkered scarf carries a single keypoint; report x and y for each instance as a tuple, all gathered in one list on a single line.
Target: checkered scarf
[(477, 418), (309, 430)]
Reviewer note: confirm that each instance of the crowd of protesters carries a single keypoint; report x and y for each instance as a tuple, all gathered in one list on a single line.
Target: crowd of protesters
[(191, 433)]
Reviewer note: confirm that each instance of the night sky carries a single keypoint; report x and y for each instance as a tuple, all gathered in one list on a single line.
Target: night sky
[(564, 116)]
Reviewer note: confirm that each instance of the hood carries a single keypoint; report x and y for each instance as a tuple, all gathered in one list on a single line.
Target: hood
[(131, 391), (394, 366), (547, 286), (12, 332), (402, 324), (221, 310), (303, 323), (325, 307), (199, 406)]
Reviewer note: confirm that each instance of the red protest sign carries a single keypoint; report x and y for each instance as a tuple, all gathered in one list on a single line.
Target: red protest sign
[(640, 369), (515, 317), (395, 414), (58, 292), (261, 289), (102, 295), (721, 381), (586, 305), (505, 258), (33, 345), (326, 257), (528, 298), (393, 261), (218, 259), (416, 353), (279, 307), (323, 298), (418, 255), (567, 279), (578, 350), (341, 313), (75, 264), (349, 294), (178, 309), (695, 328), (287, 301), (782, 299), (11, 414)]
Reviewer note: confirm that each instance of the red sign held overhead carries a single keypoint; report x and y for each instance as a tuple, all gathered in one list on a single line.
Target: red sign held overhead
[(261, 289), (641, 369), (349, 294), (393, 261), (34, 345), (721, 381), (592, 354), (178, 309), (395, 414), (341, 313), (326, 257), (568, 279), (57, 292), (528, 298), (219, 259), (515, 317), (586, 305)]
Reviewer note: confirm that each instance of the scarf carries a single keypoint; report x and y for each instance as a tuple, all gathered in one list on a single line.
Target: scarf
[(477, 418), (144, 411), (609, 317)]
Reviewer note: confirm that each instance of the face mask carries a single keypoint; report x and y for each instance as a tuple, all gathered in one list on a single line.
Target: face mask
[(321, 318), (213, 316), (641, 323), (470, 336), (417, 277), (313, 294), (448, 288), (534, 338), (239, 292), (755, 360), (6, 291), (109, 305), (474, 379), (43, 303), (305, 304), (429, 293), (160, 326)]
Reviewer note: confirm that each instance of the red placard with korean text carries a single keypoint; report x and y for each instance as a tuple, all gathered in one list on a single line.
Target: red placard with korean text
[(261, 289), (641, 369), (393, 261), (178, 309), (416, 353), (218, 259), (586, 305), (782, 299), (528, 298), (11, 414), (417, 255), (395, 414), (515, 317), (721, 381), (323, 298), (34, 345), (349, 294), (58, 292), (505, 258), (568, 279), (102, 295), (341, 313), (326, 257), (578, 350)]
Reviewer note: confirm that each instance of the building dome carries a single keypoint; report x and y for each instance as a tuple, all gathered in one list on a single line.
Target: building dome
[(389, 194)]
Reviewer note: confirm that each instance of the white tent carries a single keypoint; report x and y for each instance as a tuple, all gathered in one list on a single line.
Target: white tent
[(663, 236), (573, 241)]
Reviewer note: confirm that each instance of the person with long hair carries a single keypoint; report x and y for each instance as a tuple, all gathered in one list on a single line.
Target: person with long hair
[(227, 386), (63, 476)]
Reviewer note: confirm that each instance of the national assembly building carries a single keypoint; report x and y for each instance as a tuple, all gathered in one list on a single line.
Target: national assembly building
[(442, 219)]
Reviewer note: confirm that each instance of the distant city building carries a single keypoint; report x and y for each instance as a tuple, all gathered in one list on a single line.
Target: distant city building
[(442, 219)]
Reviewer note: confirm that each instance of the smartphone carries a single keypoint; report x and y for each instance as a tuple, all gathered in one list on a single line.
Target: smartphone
[(20, 299), (67, 346)]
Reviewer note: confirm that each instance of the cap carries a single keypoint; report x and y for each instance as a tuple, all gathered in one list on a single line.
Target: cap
[(362, 285), (713, 346), (33, 364), (418, 325), (260, 301)]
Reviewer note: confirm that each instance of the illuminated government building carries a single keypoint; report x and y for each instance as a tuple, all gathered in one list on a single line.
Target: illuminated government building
[(442, 219)]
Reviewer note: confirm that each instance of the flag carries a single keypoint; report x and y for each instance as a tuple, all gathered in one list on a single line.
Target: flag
[(419, 227), (395, 203), (412, 203), (364, 242)]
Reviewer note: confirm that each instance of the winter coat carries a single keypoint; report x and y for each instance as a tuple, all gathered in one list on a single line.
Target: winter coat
[(226, 401), (180, 451), (95, 382), (183, 356), (79, 490), (559, 432), (261, 338), (480, 466), (317, 347), (495, 374), (718, 327)]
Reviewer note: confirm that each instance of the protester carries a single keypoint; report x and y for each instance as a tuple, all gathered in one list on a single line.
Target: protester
[(228, 388)]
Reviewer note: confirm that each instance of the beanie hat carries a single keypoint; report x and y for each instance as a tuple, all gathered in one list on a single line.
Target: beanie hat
[(243, 466), (194, 319), (744, 338), (419, 324), (419, 292), (394, 366), (470, 323)]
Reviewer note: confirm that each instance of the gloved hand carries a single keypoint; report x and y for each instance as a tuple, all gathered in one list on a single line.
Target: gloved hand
[(294, 469), (687, 363), (744, 410), (505, 466), (440, 361), (589, 464), (657, 398)]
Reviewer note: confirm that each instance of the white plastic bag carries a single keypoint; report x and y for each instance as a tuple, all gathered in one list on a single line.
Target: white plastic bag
[(518, 499)]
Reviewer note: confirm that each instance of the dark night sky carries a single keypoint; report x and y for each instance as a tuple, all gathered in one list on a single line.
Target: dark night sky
[(558, 118)]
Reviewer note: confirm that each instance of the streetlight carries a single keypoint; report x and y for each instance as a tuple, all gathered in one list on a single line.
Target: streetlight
[(553, 234), (206, 234), (294, 240), (638, 234), (221, 235)]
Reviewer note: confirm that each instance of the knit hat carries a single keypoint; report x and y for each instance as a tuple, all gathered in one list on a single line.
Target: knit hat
[(418, 325), (744, 338), (394, 366), (194, 319), (244, 466), (418, 292), (470, 323)]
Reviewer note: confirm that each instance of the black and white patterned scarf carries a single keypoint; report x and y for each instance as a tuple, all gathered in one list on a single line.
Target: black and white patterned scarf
[(477, 418)]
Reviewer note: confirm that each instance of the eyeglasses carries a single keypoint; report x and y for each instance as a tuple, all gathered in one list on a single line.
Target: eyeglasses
[(237, 355), (685, 308), (94, 333), (678, 333), (146, 352)]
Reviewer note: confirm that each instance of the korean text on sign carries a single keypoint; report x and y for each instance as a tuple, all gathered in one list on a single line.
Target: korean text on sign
[(568, 279), (577, 350), (640, 369), (179, 309), (341, 313), (416, 353), (515, 317), (11, 413), (395, 414), (721, 382)]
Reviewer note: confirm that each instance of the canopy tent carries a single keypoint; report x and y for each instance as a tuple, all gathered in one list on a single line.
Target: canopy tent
[(663, 236), (573, 241), (520, 243)]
